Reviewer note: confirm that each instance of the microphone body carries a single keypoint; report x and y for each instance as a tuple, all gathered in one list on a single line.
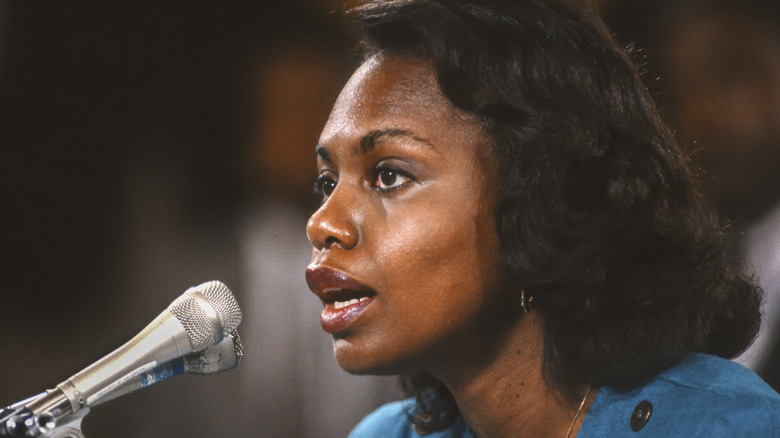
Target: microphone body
[(201, 317), (215, 359)]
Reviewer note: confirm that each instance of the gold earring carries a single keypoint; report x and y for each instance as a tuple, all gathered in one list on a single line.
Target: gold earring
[(526, 302)]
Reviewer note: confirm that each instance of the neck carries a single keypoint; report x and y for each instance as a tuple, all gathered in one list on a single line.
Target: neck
[(507, 395)]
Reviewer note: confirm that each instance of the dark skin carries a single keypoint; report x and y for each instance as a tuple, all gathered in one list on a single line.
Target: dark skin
[(410, 186)]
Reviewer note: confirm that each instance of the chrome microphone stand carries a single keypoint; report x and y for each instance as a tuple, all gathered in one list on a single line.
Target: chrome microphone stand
[(18, 420), (48, 415)]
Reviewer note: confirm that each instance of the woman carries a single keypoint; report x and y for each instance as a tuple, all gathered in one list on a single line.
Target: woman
[(507, 223)]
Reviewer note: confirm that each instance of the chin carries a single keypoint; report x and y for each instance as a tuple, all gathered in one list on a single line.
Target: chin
[(358, 361)]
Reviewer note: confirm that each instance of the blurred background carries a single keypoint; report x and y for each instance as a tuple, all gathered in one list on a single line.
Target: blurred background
[(149, 146)]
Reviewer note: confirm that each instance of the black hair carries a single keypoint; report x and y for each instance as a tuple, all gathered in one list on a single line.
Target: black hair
[(598, 215)]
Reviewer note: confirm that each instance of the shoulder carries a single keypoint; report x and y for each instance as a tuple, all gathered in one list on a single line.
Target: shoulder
[(702, 395), (389, 420), (392, 421)]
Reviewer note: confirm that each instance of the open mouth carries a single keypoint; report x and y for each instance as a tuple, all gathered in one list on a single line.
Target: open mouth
[(341, 307), (344, 299), (342, 304), (340, 298)]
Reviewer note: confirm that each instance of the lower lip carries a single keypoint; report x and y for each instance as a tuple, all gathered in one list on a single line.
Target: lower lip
[(334, 320)]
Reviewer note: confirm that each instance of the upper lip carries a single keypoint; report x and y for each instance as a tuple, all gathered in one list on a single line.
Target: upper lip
[(333, 285)]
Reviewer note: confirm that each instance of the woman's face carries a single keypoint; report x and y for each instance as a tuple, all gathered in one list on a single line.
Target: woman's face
[(406, 256)]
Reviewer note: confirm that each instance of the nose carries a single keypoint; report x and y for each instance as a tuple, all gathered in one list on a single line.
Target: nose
[(334, 223)]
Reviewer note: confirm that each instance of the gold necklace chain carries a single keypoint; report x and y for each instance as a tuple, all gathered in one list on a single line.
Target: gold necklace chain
[(579, 410)]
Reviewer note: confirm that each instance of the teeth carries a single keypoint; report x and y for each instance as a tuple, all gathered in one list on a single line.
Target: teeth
[(341, 304)]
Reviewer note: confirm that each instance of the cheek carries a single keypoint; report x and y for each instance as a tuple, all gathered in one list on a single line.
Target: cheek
[(437, 252)]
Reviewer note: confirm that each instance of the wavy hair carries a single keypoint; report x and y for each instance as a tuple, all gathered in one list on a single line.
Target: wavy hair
[(598, 216)]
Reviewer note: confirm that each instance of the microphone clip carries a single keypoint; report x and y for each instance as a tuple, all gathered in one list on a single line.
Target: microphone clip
[(18, 420)]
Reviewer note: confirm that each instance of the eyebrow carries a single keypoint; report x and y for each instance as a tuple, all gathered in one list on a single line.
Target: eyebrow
[(321, 152), (370, 140)]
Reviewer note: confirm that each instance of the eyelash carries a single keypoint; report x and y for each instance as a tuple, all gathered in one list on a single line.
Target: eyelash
[(327, 179), (382, 168)]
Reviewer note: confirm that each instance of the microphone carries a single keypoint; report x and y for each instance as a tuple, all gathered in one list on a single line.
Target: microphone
[(201, 317), (223, 356)]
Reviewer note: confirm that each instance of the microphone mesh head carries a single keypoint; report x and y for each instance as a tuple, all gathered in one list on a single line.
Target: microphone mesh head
[(197, 323), (224, 303)]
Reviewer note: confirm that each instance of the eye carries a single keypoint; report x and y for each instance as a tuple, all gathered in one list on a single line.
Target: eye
[(389, 178), (325, 184)]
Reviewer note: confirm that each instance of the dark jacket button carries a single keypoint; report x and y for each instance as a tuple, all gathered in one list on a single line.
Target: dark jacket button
[(641, 415)]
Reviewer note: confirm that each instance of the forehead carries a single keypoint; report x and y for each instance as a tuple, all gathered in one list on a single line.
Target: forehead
[(401, 93)]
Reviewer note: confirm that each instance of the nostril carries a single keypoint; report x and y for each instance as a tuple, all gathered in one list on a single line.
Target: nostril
[(331, 240)]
